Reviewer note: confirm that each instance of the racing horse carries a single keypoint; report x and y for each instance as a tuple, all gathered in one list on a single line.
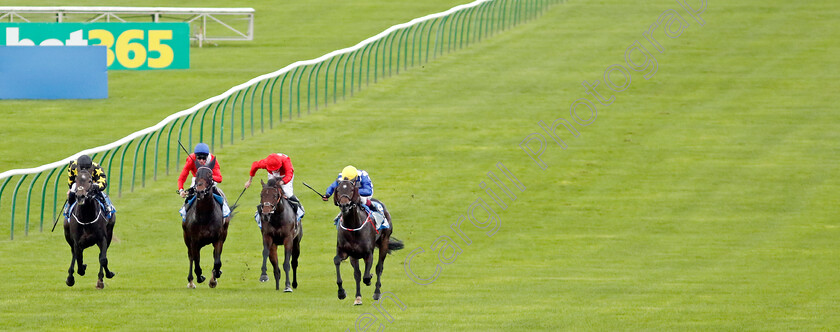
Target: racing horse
[(87, 225), (204, 223), (358, 237), (279, 227)]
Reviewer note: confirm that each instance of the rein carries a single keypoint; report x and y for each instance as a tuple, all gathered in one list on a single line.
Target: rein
[(98, 214), (368, 220)]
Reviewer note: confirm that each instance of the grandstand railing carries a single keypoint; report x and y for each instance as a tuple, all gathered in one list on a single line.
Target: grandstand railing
[(221, 19), (266, 100)]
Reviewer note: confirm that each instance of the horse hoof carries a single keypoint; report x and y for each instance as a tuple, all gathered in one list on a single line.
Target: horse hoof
[(341, 294), (100, 284), (376, 296), (264, 278), (191, 285), (217, 273), (367, 281), (200, 279), (294, 284), (212, 283), (287, 290), (82, 269), (110, 275), (70, 281), (358, 301)]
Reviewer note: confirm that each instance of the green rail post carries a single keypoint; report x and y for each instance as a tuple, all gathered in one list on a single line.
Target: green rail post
[(361, 61), (335, 78), (44, 197), (317, 73), (327, 82), (55, 191), (271, 104), (169, 140), (122, 164), (212, 128), (344, 76), (375, 61), (390, 38), (292, 82), (438, 34), (280, 96), (300, 78), (221, 124), (145, 152), (242, 114), (253, 93), (28, 200), (429, 38), (14, 203), (134, 166), (2, 187), (233, 116), (111, 163)]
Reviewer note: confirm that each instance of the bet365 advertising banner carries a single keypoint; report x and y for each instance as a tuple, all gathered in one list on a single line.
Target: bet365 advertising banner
[(137, 46)]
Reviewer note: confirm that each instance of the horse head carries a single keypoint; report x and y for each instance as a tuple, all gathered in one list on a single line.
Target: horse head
[(270, 197), (346, 195), (203, 182), (84, 184)]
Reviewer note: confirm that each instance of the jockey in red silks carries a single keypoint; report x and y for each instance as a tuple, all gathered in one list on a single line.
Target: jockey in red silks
[(201, 157), (279, 168)]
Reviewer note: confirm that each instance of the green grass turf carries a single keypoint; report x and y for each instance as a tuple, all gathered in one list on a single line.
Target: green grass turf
[(701, 199)]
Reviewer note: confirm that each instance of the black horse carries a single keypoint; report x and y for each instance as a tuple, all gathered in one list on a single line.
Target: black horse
[(279, 227), (205, 224), (88, 225), (357, 237)]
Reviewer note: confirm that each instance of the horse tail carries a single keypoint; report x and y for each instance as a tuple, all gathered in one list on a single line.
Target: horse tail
[(394, 244)]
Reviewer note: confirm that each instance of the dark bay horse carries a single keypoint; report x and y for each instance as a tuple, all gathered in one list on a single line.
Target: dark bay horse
[(357, 237), (205, 224), (279, 227), (88, 225)]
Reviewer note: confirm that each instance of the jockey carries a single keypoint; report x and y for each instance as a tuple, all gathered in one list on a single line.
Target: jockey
[(279, 167), (100, 181), (361, 178), (202, 157)]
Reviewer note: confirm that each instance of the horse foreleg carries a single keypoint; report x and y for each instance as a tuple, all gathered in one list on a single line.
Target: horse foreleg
[(383, 252), (190, 283), (337, 260), (368, 265), (357, 274), (80, 260), (295, 255), (266, 243), (196, 257), (103, 262), (287, 253), (272, 254), (217, 263), (70, 280), (103, 258)]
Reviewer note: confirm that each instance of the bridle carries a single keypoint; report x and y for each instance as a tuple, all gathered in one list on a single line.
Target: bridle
[(85, 192), (273, 206), (208, 185), (351, 205)]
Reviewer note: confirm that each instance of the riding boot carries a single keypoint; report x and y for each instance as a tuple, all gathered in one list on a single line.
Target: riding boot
[(297, 206), (71, 199)]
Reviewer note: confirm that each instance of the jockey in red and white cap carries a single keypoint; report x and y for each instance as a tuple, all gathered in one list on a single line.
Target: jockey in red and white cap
[(279, 167)]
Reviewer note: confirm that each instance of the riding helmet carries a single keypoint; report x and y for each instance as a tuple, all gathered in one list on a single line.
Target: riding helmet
[(84, 162), (349, 173), (202, 148)]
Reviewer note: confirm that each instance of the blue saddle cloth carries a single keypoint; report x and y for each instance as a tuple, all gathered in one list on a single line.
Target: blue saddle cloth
[(108, 212), (217, 197)]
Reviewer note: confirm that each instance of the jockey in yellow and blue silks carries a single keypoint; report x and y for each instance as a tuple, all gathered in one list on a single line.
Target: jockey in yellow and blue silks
[(361, 178)]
